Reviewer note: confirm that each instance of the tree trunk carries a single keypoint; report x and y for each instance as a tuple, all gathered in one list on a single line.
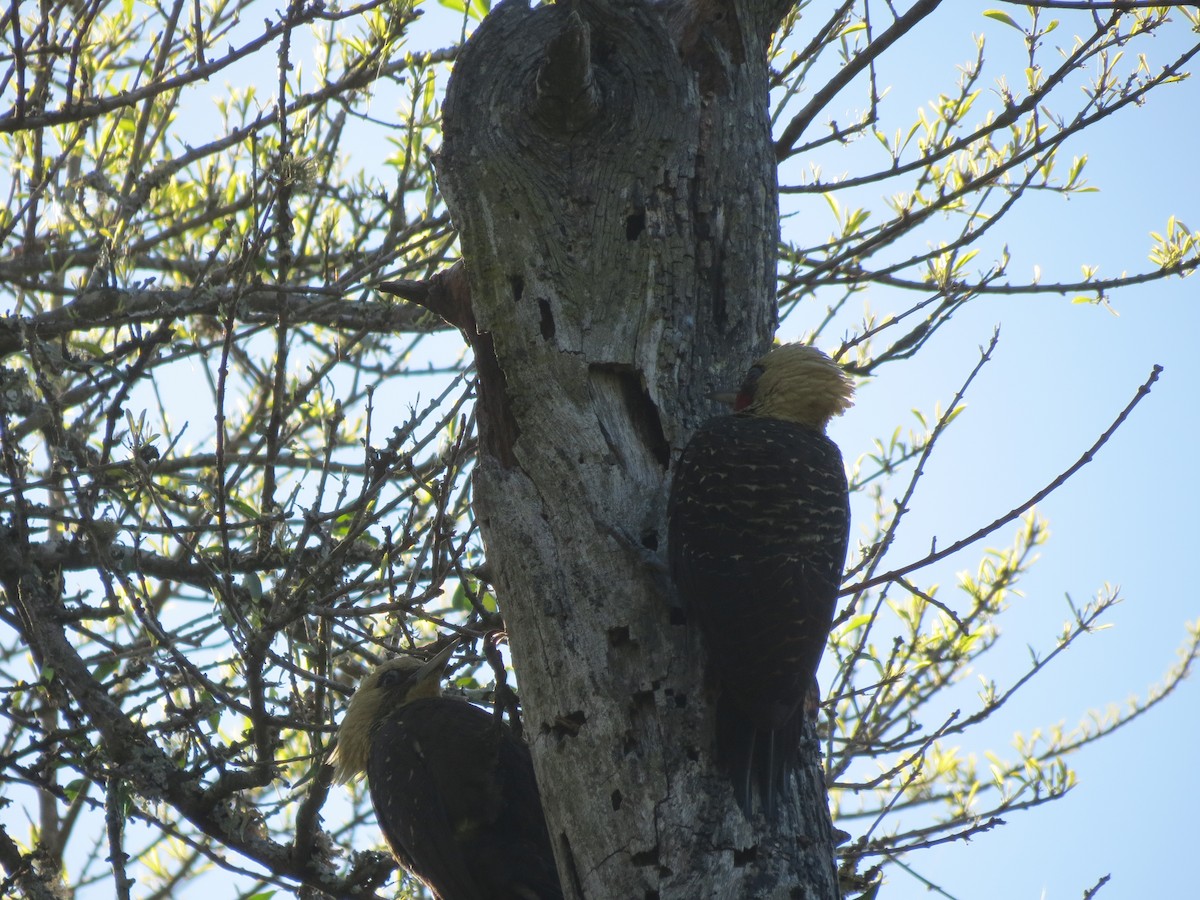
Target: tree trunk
[(610, 170)]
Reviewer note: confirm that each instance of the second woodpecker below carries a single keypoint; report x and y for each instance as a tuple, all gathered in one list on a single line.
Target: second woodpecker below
[(453, 788), (758, 526)]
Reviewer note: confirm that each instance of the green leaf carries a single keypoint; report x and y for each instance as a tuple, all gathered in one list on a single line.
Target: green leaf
[(104, 669), (243, 507), (253, 585), (476, 10), (1001, 16), (92, 348), (428, 95), (460, 600), (833, 204), (73, 789), (857, 622)]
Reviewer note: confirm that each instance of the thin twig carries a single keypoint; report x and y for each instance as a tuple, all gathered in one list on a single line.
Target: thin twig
[(1041, 495)]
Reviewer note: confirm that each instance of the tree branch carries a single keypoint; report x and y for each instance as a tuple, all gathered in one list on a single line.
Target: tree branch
[(784, 147), (116, 307), (1041, 495)]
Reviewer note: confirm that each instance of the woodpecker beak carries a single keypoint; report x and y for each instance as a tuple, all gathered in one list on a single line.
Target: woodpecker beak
[(436, 666)]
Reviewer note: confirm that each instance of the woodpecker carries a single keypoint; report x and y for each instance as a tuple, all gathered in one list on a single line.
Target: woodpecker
[(758, 525), (453, 788)]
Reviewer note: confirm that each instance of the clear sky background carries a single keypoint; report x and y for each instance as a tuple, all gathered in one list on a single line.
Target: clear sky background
[(1059, 377)]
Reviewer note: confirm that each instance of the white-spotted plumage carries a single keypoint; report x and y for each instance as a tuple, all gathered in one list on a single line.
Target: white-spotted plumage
[(758, 525), (453, 788)]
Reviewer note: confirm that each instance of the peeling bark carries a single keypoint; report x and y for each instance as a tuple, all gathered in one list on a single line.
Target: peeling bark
[(610, 170)]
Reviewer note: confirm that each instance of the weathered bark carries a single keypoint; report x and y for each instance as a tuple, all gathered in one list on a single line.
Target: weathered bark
[(611, 174)]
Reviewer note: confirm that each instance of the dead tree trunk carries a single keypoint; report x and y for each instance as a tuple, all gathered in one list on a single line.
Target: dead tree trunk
[(610, 170)]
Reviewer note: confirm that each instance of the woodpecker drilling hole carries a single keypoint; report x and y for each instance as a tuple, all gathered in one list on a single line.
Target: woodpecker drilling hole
[(569, 725), (745, 857), (646, 858), (634, 225), (547, 320)]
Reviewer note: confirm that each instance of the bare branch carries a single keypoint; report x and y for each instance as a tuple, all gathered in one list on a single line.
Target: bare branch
[(784, 146), (1012, 514)]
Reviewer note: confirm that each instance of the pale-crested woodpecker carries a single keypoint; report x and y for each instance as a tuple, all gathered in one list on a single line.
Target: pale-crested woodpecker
[(453, 788), (758, 524)]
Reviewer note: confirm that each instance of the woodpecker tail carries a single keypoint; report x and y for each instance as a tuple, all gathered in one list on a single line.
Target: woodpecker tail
[(758, 761)]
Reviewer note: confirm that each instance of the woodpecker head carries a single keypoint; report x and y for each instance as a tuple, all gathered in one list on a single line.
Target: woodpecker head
[(392, 684), (795, 383)]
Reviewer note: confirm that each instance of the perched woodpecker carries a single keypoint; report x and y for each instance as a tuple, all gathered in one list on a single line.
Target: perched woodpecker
[(758, 523), (453, 788)]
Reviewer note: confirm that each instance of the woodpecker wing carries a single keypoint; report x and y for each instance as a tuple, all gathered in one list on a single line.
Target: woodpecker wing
[(516, 855), (759, 524), (455, 796)]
